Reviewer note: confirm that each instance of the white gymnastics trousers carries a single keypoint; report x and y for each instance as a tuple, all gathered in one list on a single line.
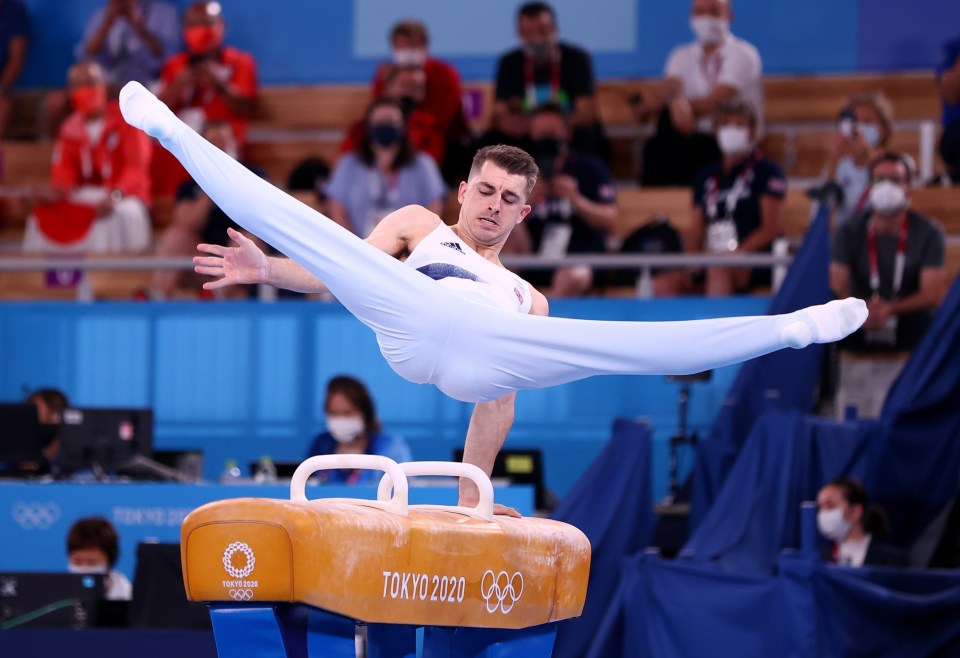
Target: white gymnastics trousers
[(430, 334)]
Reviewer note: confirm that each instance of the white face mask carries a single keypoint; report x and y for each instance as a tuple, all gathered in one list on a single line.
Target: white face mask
[(733, 139), (409, 57), (887, 198), (871, 133), (710, 29), (832, 525), (345, 428), (96, 569)]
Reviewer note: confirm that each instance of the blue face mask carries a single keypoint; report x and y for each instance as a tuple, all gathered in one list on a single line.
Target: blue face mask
[(385, 134), (871, 133)]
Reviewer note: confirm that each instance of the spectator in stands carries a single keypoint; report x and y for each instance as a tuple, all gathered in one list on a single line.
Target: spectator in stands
[(354, 429), (100, 183), (195, 217), (50, 403), (14, 38), (699, 76), (93, 547), (436, 95), (737, 204), (207, 81), (863, 132), (407, 86), (545, 69), (854, 526), (574, 206), (308, 183), (867, 249), (948, 84), (384, 173), (131, 39)]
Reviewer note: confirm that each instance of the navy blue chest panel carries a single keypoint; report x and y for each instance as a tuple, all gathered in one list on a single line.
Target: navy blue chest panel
[(437, 271)]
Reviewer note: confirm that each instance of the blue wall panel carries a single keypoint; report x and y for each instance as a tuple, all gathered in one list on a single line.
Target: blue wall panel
[(894, 34), (312, 42), (241, 380)]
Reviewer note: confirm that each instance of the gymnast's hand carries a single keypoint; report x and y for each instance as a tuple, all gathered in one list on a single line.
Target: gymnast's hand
[(503, 510), (244, 263)]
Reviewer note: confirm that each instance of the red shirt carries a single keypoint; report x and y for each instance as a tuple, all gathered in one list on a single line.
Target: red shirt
[(119, 160), (241, 74), (436, 120)]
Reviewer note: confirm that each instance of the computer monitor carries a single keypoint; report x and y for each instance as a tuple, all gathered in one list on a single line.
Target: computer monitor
[(520, 466), (49, 600), (21, 438), (104, 439)]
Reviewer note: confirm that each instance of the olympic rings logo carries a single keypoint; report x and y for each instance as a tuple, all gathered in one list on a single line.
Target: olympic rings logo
[(35, 515), (241, 594), (501, 590), (244, 571)]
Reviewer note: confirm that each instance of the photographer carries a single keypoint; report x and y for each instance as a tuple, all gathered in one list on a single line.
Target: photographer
[(864, 129), (573, 205), (210, 81)]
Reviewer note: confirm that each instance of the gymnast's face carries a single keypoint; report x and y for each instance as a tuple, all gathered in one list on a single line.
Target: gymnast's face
[(492, 202)]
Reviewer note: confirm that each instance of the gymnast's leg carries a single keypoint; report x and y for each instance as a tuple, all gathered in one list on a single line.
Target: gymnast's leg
[(407, 310), (536, 352)]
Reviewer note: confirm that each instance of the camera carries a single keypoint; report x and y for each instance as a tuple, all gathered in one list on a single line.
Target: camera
[(847, 123)]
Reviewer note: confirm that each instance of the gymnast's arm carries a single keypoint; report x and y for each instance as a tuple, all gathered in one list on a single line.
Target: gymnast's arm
[(489, 425), (247, 264)]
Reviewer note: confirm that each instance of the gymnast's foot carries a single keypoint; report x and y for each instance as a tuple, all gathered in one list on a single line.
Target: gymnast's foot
[(824, 324), (143, 110)]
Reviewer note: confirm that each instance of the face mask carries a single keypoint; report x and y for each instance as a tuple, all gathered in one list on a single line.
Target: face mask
[(832, 525), (385, 134), (409, 57), (547, 147), (345, 428), (871, 133), (88, 100), (202, 39), (539, 51), (887, 198), (709, 29), (96, 569), (733, 139)]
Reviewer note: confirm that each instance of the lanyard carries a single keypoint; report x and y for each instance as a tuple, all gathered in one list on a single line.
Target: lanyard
[(899, 262), (710, 66), (737, 191), (531, 82)]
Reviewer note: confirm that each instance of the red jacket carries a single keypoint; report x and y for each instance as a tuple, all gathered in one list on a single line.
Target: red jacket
[(119, 160)]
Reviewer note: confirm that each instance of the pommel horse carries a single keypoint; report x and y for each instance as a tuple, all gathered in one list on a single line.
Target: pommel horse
[(291, 578)]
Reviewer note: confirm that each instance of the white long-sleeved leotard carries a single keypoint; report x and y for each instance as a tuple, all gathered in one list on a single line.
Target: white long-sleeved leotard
[(430, 333)]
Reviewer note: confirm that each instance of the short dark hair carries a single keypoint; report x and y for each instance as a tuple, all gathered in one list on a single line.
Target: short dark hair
[(897, 158), (355, 391), (550, 108), (534, 9), (411, 29), (874, 518), (511, 159), (97, 533), (55, 399), (364, 149), (736, 107)]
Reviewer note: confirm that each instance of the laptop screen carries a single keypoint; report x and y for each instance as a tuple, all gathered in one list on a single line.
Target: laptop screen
[(49, 600)]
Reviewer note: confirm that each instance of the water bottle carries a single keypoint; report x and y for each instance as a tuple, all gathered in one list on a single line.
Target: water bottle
[(266, 472), (231, 473)]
